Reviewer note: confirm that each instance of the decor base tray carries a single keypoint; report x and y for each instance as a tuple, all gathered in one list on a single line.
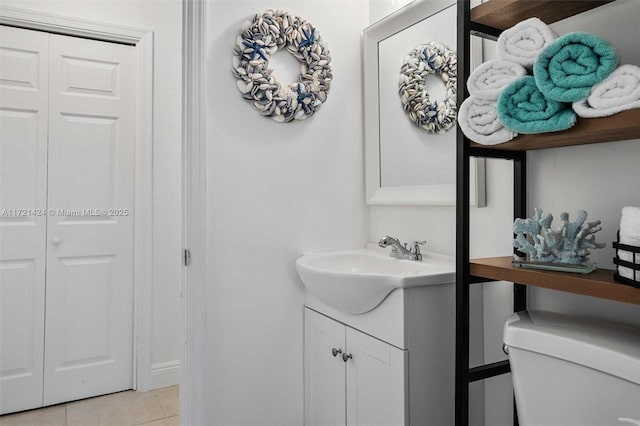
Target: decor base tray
[(584, 268)]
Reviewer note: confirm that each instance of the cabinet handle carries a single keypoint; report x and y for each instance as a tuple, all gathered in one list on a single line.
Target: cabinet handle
[(346, 357), (335, 352)]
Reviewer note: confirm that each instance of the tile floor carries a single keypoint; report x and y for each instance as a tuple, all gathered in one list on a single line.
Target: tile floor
[(154, 408)]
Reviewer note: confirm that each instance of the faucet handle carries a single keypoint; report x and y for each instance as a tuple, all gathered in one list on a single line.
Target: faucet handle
[(415, 247), (415, 250)]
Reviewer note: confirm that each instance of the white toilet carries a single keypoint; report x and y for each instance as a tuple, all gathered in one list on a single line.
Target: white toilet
[(572, 371)]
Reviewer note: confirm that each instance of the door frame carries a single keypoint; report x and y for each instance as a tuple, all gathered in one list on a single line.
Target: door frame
[(142, 39), (193, 387)]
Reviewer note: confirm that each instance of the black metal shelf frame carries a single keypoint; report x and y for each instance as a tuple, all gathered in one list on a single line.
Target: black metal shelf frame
[(464, 374)]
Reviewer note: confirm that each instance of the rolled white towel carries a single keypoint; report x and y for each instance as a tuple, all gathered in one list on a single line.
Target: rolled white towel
[(478, 120), (523, 42), (488, 80), (618, 92)]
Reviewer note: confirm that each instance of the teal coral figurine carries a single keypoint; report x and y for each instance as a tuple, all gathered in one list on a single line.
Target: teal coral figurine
[(568, 244)]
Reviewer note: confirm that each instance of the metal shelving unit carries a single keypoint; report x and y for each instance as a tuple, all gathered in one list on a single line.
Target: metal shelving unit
[(488, 20), (464, 374)]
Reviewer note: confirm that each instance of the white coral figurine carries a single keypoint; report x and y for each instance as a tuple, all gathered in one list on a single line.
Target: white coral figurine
[(568, 244)]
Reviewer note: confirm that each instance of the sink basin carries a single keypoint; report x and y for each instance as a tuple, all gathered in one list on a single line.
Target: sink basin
[(356, 281)]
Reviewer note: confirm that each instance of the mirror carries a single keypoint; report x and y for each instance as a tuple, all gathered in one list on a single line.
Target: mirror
[(404, 163)]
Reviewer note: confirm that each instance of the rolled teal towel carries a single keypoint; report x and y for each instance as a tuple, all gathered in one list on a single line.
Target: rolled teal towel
[(568, 68), (524, 109)]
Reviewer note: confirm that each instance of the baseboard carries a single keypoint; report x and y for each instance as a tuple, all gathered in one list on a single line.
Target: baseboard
[(165, 374)]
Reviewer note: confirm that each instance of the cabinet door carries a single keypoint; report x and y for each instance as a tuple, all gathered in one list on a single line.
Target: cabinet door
[(376, 382), (324, 373)]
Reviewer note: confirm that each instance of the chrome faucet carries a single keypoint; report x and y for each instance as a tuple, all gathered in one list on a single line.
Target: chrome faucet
[(400, 250)]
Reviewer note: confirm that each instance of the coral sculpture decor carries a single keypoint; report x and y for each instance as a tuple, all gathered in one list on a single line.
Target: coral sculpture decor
[(568, 244)]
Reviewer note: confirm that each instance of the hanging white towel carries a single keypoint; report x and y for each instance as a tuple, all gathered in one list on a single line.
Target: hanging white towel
[(478, 120), (488, 80), (523, 42), (618, 92)]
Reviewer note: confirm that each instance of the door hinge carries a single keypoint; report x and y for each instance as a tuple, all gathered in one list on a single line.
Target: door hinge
[(186, 258)]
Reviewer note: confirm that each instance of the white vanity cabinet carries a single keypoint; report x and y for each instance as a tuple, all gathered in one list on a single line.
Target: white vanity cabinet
[(398, 366), (350, 377)]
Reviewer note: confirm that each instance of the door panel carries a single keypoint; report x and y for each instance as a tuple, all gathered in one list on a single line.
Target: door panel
[(376, 378), (324, 397), (89, 319), (86, 279), (89, 76), (86, 179), (23, 202)]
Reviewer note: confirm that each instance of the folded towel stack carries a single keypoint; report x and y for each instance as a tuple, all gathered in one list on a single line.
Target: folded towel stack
[(630, 235), (523, 42), (568, 68), (479, 117), (577, 70), (478, 114), (524, 109), (618, 92)]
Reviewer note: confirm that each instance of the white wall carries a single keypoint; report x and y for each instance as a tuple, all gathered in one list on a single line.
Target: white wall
[(163, 17), (275, 190), (379, 9)]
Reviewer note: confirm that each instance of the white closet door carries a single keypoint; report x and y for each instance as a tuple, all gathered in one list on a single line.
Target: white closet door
[(23, 201), (89, 316)]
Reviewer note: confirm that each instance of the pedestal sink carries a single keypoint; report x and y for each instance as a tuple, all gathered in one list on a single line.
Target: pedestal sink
[(356, 281)]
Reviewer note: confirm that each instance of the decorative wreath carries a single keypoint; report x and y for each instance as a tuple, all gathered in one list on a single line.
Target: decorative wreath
[(436, 116), (261, 38)]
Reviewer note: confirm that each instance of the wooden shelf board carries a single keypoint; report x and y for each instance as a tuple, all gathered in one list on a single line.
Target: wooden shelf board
[(599, 283), (622, 126), (503, 14)]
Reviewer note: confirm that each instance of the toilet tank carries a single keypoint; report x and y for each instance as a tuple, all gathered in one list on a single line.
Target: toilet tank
[(570, 371)]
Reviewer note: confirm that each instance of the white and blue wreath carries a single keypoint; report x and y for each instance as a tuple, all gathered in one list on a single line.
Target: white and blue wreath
[(434, 116), (262, 37)]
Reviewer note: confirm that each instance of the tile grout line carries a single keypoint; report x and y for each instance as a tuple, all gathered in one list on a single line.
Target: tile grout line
[(157, 420)]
